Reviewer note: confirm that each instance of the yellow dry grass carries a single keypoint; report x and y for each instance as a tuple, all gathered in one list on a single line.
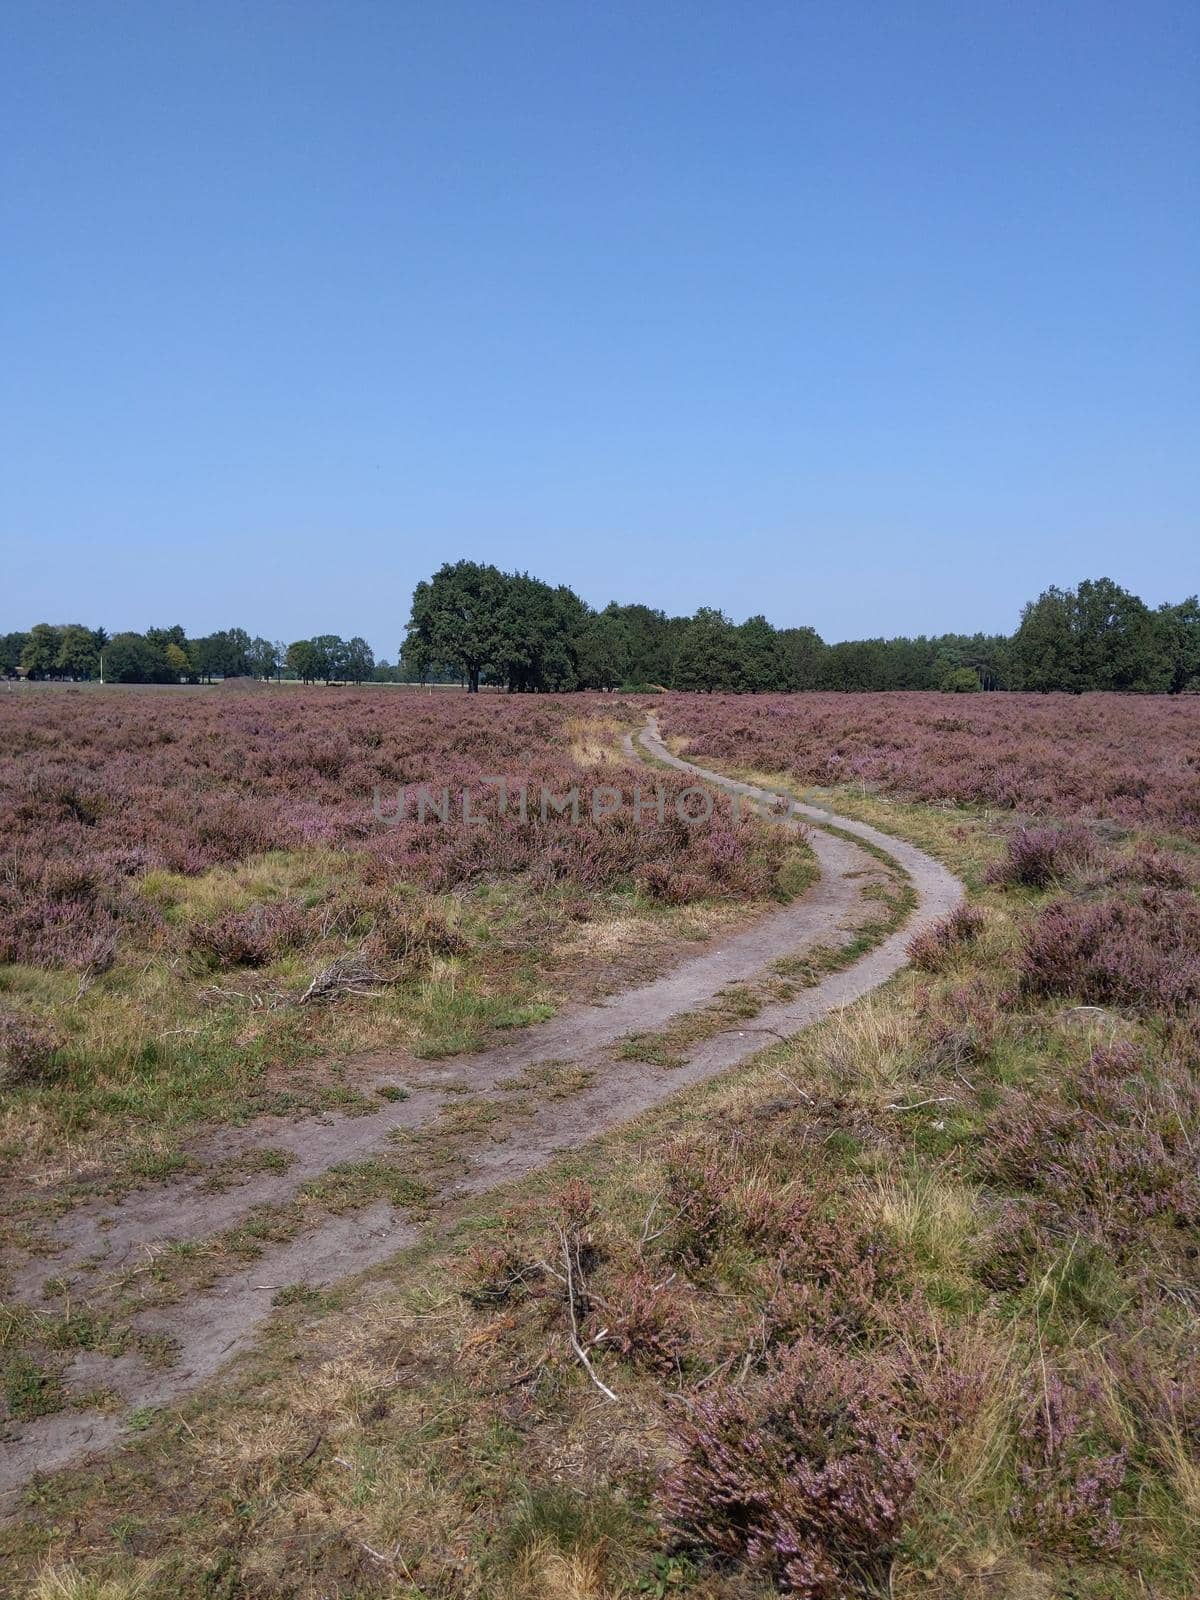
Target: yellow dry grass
[(544, 1572), (56, 1582)]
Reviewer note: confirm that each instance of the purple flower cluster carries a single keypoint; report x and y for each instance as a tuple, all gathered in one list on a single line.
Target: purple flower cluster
[(1143, 951), (804, 1476), (1106, 1147), (1069, 1469)]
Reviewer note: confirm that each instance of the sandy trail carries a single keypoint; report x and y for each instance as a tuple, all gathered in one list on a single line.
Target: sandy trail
[(100, 1244)]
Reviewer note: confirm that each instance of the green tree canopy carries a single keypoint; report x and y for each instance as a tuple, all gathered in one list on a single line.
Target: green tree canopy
[(710, 653), (131, 658), (1179, 635), (764, 661), (458, 620), (359, 660), (78, 656), (602, 652), (1046, 647), (40, 655)]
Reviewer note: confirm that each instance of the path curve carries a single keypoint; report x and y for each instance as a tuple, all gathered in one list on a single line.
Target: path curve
[(938, 890), (213, 1327)]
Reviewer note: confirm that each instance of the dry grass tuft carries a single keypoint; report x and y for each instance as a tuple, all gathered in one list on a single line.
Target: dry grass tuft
[(544, 1572), (67, 1582)]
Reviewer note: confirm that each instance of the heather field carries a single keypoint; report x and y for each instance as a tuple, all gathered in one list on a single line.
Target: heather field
[(98, 791), (177, 869), (1127, 759), (907, 1306)]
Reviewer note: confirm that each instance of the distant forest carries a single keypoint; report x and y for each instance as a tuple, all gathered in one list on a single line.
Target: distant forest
[(475, 625)]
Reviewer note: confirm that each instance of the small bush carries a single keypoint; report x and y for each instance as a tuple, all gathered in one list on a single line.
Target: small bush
[(694, 1201), (26, 1050), (1068, 1469), (497, 1273), (1143, 952), (934, 949), (1108, 1149), (805, 1478), (249, 938), (413, 936), (962, 1027), (1039, 857), (1158, 868), (645, 1322)]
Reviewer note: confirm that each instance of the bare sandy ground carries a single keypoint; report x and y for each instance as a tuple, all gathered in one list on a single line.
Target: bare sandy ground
[(99, 1247)]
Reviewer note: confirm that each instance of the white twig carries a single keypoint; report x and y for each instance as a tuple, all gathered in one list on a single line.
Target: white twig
[(575, 1344), (792, 1084), (915, 1105)]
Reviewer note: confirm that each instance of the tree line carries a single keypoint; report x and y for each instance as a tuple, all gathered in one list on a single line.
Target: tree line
[(472, 623), (516, 631), (70, 651)]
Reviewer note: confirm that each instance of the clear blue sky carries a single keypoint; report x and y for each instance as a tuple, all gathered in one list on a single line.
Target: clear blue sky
[(876, 316)]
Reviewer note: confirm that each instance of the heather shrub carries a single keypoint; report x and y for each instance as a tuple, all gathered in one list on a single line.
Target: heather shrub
[(658, 881), (249, 938), (1109, 1146), (572, 1217), (236, 938), (1011, 1245), (961, 1026), (575, 1207), (55, 914), (26, 1050), (645, 1321), (1159, 1384), (933, 949), (804, 1476), (693, 1200), (1161, 869), (822, 1256), (1038, 857), (1143, 952), (1069, 1467), (763, 1210), (836, 1279), (412, 935), (493, 1274)]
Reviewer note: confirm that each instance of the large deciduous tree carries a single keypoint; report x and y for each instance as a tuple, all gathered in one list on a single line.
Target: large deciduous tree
[(1098, 636), (602, 652), (77, 656), (805, 652), (1046, 647), (40, 655), (12, 648), (1179, 633), (359, 660), (458, 620), (763, 658), (131, 658), (263, 657), (710, 653), (1120, 644)]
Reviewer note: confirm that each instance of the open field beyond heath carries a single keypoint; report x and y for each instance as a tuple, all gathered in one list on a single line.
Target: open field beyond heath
[(538, 1208)]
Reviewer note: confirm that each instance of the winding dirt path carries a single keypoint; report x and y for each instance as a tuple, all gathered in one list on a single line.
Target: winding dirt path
[(100, 1248)]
